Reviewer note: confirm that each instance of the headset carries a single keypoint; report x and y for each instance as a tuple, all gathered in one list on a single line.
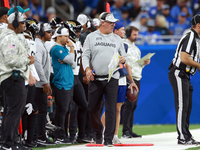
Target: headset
[(128, 31), (41, 32), (15, 22), (89, 24)]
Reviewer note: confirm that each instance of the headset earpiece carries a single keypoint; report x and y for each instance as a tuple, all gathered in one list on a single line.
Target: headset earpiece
[(15, 22), (88, 24), (41, 32), (128, 31)]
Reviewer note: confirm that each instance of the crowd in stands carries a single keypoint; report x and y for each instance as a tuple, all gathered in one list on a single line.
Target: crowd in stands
[(156, 17)]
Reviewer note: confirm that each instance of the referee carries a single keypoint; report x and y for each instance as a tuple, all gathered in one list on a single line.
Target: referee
[(183, 66)]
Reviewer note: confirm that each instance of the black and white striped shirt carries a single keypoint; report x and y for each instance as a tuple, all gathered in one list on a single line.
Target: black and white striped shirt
[(189, 43)]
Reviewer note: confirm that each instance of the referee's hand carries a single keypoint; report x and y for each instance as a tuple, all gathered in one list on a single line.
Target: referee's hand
[(89, 74)]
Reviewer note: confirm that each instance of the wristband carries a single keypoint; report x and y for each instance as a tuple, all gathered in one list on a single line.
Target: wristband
[(71, 46), (132, 81), (84, 75)]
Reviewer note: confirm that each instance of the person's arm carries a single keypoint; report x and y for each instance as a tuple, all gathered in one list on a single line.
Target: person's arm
[(38, 64), (185, 58), (69, 59), (86, 59), (130, 78)]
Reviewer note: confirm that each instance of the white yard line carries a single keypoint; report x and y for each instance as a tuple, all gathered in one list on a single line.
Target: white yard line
[(163, 141)]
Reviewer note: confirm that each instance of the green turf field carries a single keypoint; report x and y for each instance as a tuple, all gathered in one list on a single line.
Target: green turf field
[(142, 130)]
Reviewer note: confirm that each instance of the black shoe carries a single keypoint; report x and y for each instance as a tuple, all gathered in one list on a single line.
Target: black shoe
[(62, 141), (126, 134), (45, 142), (20, 146), (99, 141), (193, 142), (181, 142), (84, 140), (30, 144), (108, 143), (134, 135)]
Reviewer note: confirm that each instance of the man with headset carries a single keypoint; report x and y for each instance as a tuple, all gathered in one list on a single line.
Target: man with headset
[(42, 65), (133, 54), (14, 71)]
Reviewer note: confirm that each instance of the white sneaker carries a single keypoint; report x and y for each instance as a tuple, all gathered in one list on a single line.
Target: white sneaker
[(116, 140)]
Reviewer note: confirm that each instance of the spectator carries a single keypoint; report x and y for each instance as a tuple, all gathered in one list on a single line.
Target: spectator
[(151, 35), (125, 17), (90, 6), (116, 9), (161, 25), (36, 9), (50, 13), (175, 10), (166, 14), (179, 27), (141, 24), (155, 10), (188, 17), (134, 10)]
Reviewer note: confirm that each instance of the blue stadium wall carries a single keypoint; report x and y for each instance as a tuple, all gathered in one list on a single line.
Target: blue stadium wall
[(156, 99)]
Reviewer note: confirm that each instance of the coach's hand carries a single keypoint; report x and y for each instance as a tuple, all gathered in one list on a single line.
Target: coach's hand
[(122, 59), (89, 74)]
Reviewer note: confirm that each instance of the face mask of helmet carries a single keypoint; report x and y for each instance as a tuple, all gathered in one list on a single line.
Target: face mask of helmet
[(72, 33)]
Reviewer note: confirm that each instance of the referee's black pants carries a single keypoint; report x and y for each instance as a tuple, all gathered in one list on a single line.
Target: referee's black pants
[(183, 101), (96, 89), (128, 112), (62, 99), (15, 99)]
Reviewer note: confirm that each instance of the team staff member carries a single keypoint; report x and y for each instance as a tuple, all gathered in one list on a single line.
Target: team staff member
[(133, 55), (3, 25), (14, 71), (184, 65), (98, 50), (121, 97), (63, 78), (42, 65)]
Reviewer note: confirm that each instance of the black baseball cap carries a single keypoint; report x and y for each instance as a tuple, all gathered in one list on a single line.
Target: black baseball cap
[(195, 19), (3, 11)]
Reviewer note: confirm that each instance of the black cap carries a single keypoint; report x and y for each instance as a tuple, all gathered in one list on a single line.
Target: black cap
[(195, 19), (3, 11)]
